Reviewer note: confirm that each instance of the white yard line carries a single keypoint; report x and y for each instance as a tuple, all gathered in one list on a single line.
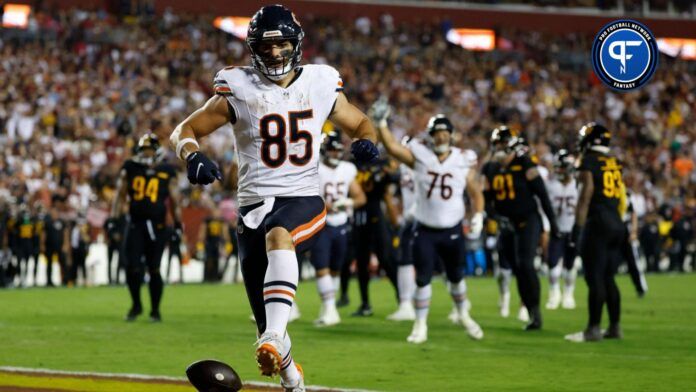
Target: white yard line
[(145, 377)]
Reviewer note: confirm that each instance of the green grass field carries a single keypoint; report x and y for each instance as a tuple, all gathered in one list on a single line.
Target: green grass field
[(82, 329)]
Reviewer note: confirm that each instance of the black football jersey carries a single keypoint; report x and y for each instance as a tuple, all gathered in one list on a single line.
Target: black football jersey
[(374, 180), (607, 180), (213, 230), (512, 196), (148, 189)]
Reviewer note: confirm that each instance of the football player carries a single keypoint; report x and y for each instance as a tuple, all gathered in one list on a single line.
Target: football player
[(341, 194), (441, 174), (599, 231), (498, 141), (212, 237), (371, 234), (25, 242), (512, 186), (277, 109), (147, 184), (564, 196)]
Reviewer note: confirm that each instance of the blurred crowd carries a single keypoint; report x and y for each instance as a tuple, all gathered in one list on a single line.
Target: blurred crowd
[(78, 87), (630, 6)]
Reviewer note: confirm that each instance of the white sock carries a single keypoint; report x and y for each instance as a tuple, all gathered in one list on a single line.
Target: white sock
[(569, 279), (504, 278), (279, 286), (406, 282), (555, 277), (288, 370), (327, 292), (458, 293), (422, 300), (336, 283)]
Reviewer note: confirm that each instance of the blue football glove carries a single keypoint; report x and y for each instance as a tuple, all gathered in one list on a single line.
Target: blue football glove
[(201, 170), (364, 151)]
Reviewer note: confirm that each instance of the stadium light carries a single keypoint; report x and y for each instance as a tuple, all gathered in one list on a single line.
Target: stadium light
[(684, 48), (472, 39), (16, 15), (235, 25)]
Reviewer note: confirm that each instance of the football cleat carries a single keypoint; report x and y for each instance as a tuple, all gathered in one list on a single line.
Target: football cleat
[(472, 328), (299, 386), (568, 301), (406, 312), (419, 333), (504, 304), (453, 315), (328, 318), (523, 314), (363, 311), (554, 299), (269, 353), (155, 317), (211, 375), (133, 313), (613, 332), (589, 335)]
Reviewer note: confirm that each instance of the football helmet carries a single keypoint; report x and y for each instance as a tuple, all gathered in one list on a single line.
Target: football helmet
[(274, 23), (595, 137), (517, 145), (332, 141), (439, 122), (563, 162), (148, 141)]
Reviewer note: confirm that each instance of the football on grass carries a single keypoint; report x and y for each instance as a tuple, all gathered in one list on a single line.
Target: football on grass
[(210, 375)]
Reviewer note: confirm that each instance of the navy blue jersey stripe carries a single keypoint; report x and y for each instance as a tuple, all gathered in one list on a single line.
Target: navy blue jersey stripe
[(281, 300), (280, 283)]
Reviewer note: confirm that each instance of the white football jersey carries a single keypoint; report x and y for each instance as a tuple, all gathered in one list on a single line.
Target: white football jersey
[(334, 184), (440, 185), (408, 192), (564, 198), (278, 130)]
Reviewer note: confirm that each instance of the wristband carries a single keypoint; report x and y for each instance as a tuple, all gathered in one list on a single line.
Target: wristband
[(181, 143)]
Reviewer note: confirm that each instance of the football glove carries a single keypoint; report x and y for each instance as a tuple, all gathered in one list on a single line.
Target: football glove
[(178, 232), (476, 225), (364, 151), (380, 111), (111, 227), (201, 170), (576, 237)]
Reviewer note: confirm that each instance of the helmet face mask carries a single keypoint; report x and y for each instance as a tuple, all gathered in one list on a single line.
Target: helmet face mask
[(563, 164), (272, 26), (499, 141), (440, 130), (148, 150), (332, 148)]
